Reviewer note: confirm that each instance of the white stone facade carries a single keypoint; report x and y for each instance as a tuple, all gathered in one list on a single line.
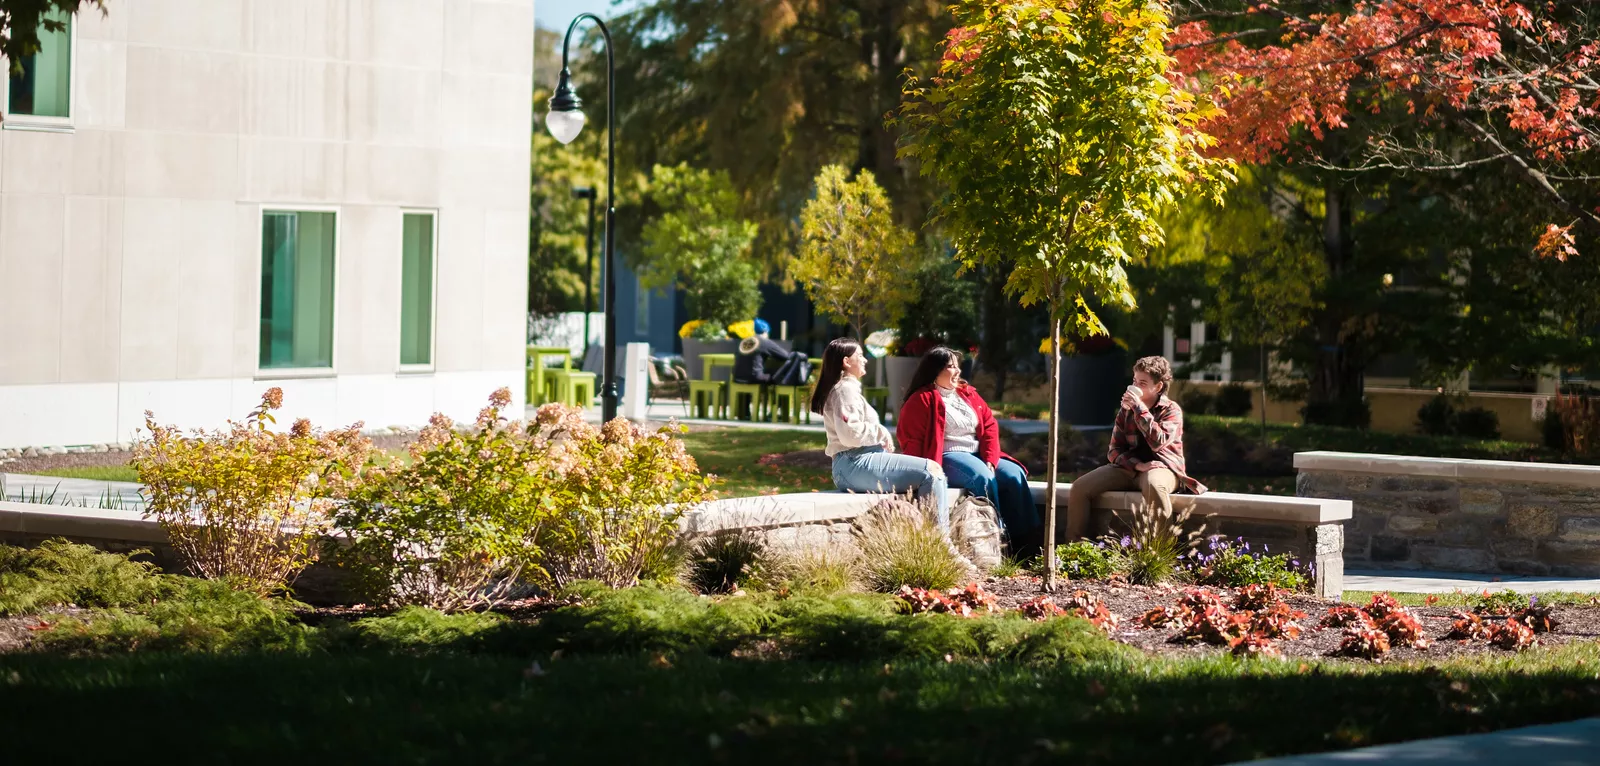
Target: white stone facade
[(130, 240)]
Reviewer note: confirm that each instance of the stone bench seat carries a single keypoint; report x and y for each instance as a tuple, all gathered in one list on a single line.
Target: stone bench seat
[(1311, 528)]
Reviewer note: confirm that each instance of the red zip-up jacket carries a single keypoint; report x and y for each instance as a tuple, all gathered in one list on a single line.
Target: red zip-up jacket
[(920, 427)]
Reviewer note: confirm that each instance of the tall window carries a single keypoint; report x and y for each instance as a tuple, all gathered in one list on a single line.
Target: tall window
[(416, 290), (42, 86), (297, 290)]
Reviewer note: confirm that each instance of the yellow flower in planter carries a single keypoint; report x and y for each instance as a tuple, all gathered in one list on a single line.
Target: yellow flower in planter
[(688, 327), (742, 330)]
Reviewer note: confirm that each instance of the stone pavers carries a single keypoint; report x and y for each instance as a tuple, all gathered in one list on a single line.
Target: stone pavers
[(1575, 743)]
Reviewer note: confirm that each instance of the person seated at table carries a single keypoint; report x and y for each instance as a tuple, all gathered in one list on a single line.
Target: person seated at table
[(758, 353), (863, 453), (945, 420), (1146, 449)]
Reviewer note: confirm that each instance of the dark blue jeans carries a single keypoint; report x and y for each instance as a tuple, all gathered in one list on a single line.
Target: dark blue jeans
[(1006, 486)]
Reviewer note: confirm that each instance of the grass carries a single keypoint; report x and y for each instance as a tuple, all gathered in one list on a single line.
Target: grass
[(95, 472), (383, 707), (733, 454), (1469, 599)]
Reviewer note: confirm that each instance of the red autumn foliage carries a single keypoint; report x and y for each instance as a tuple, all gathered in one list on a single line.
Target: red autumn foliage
[(1468, 626), (1511, 635), (1538, 618), (962, 602), (1040, 608)]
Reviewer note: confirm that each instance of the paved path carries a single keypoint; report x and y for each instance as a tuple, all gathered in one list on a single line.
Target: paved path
[(88, 493), (1450, 582), (1576, 743)]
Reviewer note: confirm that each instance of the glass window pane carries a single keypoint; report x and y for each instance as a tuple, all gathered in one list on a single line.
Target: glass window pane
[(43, 86), (416, 290), (297, 262)]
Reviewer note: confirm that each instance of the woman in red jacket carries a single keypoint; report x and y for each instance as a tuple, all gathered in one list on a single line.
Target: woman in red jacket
[(945, 420)]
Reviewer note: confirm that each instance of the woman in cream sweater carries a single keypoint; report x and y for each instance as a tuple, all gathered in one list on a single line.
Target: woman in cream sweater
[(863, 453)]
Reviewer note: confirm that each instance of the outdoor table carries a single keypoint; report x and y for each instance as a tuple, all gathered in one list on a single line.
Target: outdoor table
[(536, 359), (709, 362)]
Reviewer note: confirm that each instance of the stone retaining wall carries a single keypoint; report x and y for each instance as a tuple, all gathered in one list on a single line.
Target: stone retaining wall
[(1461, 515)]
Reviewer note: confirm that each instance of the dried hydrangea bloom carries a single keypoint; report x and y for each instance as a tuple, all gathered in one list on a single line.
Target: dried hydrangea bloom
[(273, 398)]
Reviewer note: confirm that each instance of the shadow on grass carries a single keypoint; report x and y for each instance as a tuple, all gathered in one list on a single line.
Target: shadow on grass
[(387, 708)]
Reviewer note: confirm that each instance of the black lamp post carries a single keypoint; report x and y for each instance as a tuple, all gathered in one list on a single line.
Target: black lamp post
[(587, 192), (565, 121)]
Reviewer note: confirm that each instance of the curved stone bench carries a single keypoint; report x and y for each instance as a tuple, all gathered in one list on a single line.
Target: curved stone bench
[(1311, 528)]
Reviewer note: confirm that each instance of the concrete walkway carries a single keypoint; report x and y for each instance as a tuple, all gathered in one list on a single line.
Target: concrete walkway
[(1576, 743), (1450, 582), (84, 493)]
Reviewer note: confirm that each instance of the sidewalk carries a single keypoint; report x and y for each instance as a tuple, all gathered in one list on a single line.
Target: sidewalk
[(1575, 743), (1401, 581)]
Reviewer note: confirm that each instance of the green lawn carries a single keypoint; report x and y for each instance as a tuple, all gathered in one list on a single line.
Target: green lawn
[(734, 455), (371, 707), (96, 472)]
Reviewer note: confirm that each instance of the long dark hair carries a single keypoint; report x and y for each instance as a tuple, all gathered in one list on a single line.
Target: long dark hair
[(928, 370), (832, 369)]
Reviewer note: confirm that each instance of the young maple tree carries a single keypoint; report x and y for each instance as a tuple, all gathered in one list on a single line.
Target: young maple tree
[(1408, 86), (1058, 138), (851, 252)]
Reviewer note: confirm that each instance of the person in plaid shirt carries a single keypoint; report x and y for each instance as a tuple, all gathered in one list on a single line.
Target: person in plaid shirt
[(1146, 449)]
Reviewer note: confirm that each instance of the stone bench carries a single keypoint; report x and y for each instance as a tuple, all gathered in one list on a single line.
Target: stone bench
[(1487, 516), (1311, 528)]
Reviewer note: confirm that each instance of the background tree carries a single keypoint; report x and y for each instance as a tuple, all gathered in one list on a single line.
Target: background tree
[(1058, 139), (771, 91), (851, 258), (1265, 271), (558, 222), (21, 21), (698, 241), (1369, 93)]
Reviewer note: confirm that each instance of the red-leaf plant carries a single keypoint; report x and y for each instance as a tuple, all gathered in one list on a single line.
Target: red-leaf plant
[(1539, 618), (1040, 608), (1512, 635), (1084, 604), (962, 602), (1468, 626)]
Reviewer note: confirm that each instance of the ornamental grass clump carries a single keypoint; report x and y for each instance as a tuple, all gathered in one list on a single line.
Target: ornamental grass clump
[(246, 504), (1157, 541), (902, 546), (456, 525), (617, 492), (725, 560)]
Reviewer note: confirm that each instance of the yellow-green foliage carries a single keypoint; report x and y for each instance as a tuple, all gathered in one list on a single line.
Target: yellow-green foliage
[(244, 503), (618, 490), (58, 573), (458, 523), (851, 252), (901, 545)]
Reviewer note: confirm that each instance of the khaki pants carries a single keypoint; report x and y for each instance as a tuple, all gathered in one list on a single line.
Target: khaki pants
[(1156, 484)]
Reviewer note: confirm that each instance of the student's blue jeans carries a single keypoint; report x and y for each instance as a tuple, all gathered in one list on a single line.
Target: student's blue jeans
[(1006, 486), (873, 469)]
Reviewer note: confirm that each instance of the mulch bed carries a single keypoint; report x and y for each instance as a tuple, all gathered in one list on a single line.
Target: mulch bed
[(1129, 602)]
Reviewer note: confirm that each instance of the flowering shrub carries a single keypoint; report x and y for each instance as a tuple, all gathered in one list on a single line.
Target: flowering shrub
[(243, 503), (617, 492), (961, 602), (1231, 564), (457, 524)]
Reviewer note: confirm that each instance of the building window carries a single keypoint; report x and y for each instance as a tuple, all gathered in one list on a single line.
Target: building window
[(42, 85), (416, 290), (297, 290), (641, 310)]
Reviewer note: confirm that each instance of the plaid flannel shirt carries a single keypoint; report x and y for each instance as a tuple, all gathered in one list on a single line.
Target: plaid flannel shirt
[(1154, 435)]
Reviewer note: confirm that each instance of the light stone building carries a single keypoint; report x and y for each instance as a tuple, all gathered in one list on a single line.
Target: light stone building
[(202, 199)]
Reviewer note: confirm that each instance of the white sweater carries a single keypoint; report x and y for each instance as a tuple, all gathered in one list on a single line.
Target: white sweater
[(850, 421)]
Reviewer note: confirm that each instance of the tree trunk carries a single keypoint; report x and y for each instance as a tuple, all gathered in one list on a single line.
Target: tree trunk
[(1264, 392), (1050, 471), (1337, 373), (996, 332), (881, 50)]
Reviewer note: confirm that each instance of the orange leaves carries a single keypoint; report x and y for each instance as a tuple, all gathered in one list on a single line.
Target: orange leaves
[(1557, 242)]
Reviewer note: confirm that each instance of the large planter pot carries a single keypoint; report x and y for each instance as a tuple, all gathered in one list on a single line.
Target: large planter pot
[(898, 370), (1092, 386), (693, 349)]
